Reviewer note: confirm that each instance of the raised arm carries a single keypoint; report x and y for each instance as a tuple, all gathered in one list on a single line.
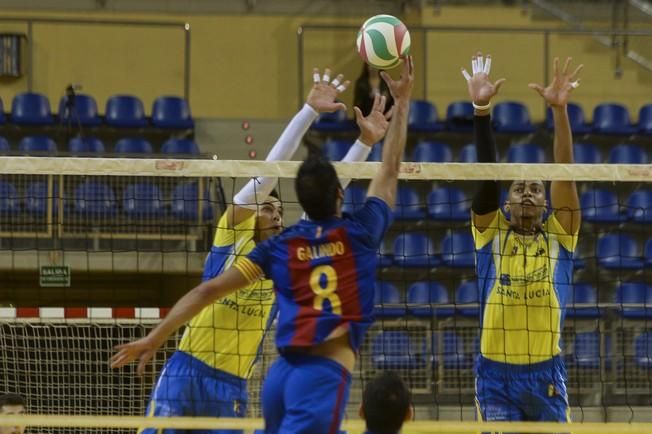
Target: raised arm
[(565, 203), (481, 90), (383, 185), (321, 99), (185, 309)]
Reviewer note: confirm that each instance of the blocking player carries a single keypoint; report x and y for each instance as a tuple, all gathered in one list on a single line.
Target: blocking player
[(323, 270), (524, 266), (208, 374)]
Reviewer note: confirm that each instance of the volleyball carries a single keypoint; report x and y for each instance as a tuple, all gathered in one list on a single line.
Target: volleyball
[(382, 41)]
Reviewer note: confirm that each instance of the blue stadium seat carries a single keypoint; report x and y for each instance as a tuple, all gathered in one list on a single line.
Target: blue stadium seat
[(3, 119), (335, 150), (600, 206), (94, 199), (432, 152), (185, 202), (83, 111), (376, 153), (639, 206), (447, 348), (458, 250), (408, 205), (526, 153), (612, 119), (31, 144), (132, 146), (643, 350), (414, 250), (4, 145), (142, 200), (459, 116), (645, 120), (448, 204), (584, 302), (9, 202), (354, 198), (648, 253), (388, 302), (512, 117), (125, 111), (85, 145), (171, 112), (384, 257), (468, 154), (31, 109), (575, 116), (423, 117), (424, 297), (393, 349), (635, 300), (618, 251), (586, 350), (627, 154), (468, 294), (36, 198), (180, 146), (586, 153), (333, 122)]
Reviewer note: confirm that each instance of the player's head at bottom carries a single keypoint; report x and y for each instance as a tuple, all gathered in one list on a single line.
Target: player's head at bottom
[(318, 188), (12, 404), (386, 404)]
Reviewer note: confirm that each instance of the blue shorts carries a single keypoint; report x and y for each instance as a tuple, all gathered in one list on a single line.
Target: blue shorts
[(189, 387), (305, 394), (534, 393)]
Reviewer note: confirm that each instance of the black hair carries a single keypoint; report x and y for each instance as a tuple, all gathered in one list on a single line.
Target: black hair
[(386, 402), (11, 399), (274, 194), (317, 185)]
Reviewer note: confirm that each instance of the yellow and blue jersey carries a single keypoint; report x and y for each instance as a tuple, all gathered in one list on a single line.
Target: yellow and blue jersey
[(227, 335), (524, 283)]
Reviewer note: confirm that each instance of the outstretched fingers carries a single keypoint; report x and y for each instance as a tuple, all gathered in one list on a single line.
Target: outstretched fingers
[(536, 87), (573, 76), (499, 83), (566, 64)]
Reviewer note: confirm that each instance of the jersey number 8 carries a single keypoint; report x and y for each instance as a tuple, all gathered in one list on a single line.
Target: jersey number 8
[(327, 292)]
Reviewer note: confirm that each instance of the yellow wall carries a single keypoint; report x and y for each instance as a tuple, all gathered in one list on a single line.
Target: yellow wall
[(245, 66)]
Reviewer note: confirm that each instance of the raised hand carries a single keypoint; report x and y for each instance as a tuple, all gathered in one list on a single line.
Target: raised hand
[(142, 349), (324, 91), (374, 126), (563, 83), (401, 89), (481, 89)]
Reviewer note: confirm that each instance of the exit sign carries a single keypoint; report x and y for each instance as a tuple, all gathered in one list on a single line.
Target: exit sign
[(54, 276)]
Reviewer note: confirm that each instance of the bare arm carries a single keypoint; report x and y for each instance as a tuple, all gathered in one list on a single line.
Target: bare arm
[(383, 185), (481, 90), (565, 202), (185, 309), (321, 99)]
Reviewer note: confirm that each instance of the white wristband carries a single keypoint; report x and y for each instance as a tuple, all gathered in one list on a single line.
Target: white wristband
[(481, 107)]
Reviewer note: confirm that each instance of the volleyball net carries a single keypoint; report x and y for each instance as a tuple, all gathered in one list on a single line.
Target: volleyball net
[(93, 251)]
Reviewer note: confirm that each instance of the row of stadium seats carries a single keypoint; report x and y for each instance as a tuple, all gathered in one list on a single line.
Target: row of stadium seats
[(614, 251), (122, 111), (508, 117), (452, 204), (92, 145), (98, 200), (437, 152), (632, 300), (395, 349)]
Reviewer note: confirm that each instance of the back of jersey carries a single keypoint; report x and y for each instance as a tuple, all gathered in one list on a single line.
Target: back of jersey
[(324, 274)]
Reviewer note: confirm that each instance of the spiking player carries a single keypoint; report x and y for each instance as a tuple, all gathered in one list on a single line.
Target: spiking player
[(524, 266), (208, 374), (324, 270)]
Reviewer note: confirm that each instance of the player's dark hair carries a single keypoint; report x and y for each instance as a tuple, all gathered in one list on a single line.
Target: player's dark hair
[(274, 193), (317, 185), (11, 399), (386, 402)]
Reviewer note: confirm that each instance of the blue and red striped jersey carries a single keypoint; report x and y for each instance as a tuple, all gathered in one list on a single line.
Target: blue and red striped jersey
[(324, 274)]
